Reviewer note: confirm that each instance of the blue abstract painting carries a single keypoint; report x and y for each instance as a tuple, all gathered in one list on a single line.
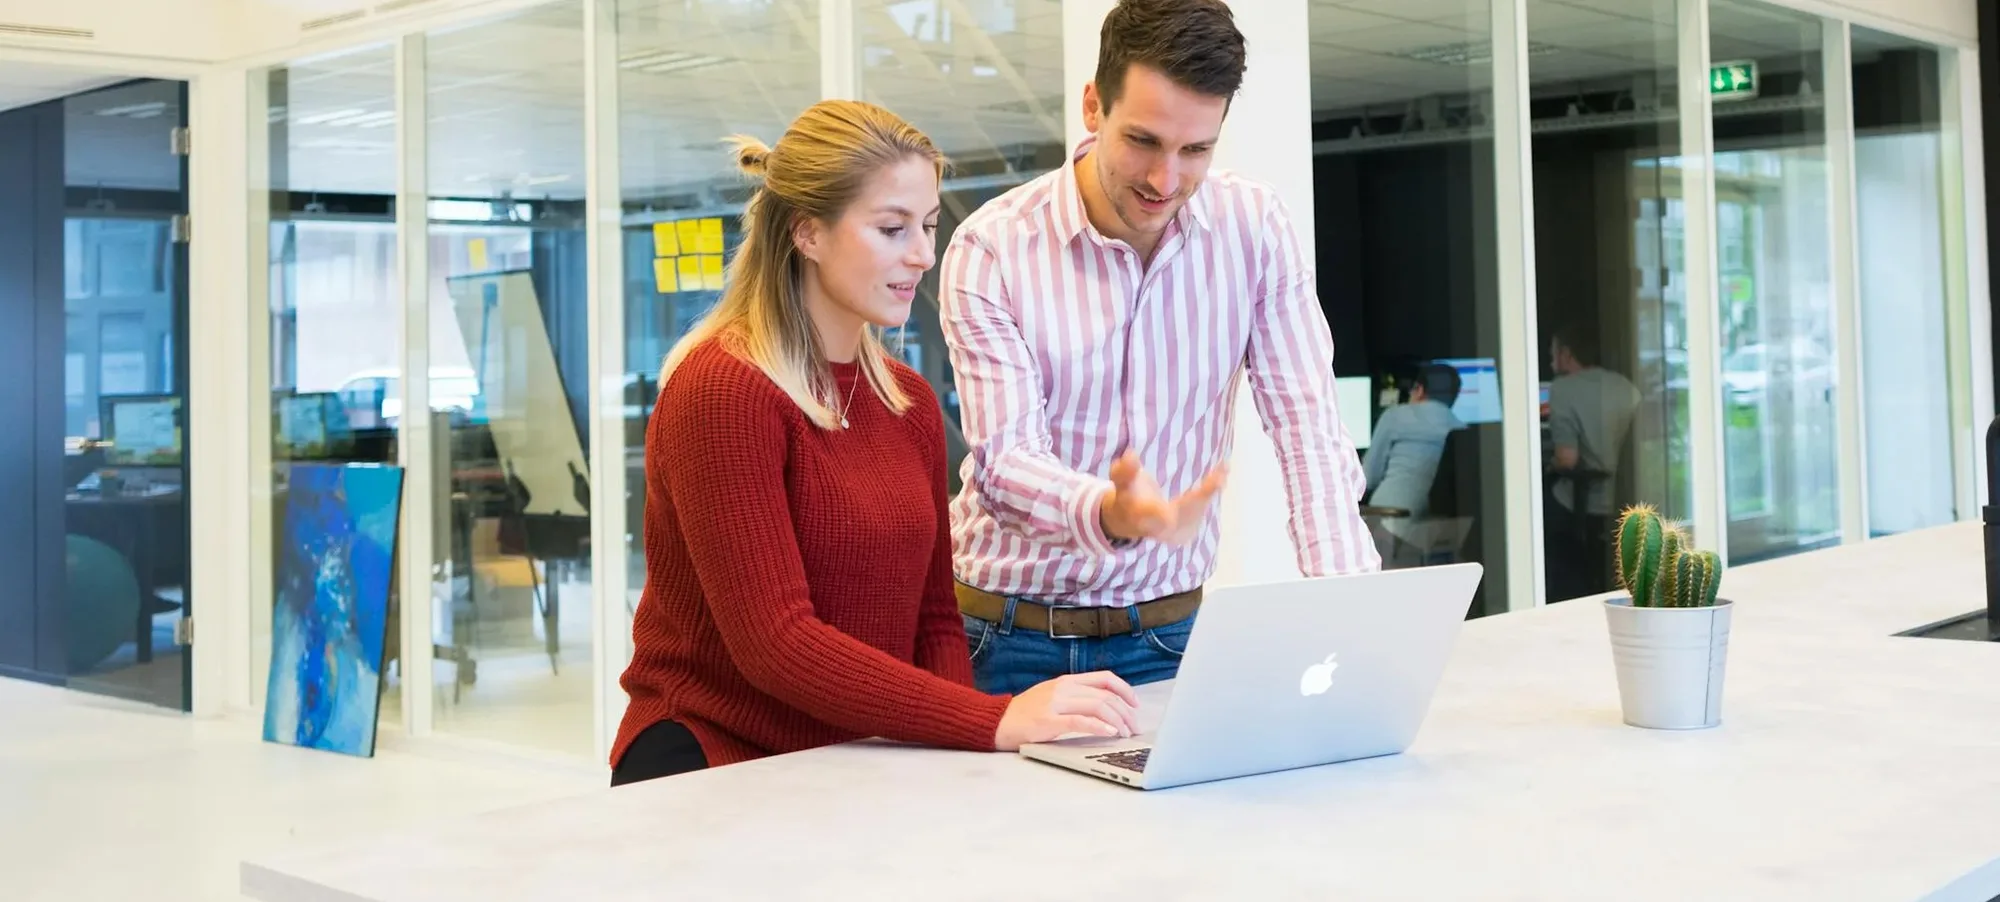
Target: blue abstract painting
[(334, 569)]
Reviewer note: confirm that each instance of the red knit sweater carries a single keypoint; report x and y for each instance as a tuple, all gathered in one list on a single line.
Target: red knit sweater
[(798, 580)]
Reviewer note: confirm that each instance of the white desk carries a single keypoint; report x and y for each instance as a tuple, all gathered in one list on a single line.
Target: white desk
[(1850, 765)]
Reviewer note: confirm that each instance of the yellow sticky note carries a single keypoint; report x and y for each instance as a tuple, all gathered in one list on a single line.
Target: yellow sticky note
[(663, 275), (665, 242), (690, 269), (476, 249), (711, 272), (711, 237), (689, 233)]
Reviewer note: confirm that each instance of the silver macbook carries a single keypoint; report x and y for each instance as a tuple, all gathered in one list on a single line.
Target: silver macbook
[(1289, 674)]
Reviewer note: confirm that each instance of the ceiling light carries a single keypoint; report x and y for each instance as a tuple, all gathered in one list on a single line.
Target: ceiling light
[(324, 118), (664, 61), (1467, 53), (135, 110)]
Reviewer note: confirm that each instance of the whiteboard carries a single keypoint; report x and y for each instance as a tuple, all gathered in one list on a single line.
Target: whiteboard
[(521, 394)]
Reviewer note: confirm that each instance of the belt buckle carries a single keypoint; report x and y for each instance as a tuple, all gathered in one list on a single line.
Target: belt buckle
[(1053, 609)]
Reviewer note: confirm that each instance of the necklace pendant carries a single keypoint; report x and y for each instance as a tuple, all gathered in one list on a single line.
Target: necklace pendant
[(843, 422)]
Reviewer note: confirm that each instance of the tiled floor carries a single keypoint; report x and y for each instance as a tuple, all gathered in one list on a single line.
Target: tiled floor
[(106, 800)]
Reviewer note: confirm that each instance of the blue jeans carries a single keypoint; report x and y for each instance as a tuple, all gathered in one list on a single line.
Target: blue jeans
[(1007, 660)]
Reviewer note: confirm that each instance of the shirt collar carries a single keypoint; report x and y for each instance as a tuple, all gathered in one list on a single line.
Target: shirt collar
[(1072, 220)]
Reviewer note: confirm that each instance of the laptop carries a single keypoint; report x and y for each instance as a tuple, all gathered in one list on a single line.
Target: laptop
[(1290, 674)]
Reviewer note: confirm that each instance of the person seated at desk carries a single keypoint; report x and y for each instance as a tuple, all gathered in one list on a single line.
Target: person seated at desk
[(1402, 460), (799, 588)]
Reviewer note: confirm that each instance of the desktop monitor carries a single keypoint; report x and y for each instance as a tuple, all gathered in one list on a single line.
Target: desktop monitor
[(1478, 389), (1355, 395), (303, 432), (143, 430)]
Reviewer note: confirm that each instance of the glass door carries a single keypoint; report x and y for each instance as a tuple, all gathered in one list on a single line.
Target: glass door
[(126, 594)]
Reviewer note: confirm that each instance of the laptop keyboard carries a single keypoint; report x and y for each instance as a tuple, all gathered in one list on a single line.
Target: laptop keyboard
[(1134, 760)]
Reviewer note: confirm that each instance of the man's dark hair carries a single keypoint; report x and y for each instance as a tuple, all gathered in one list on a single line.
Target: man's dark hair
[(1195, 43), (1440, 382), (1581, 342)]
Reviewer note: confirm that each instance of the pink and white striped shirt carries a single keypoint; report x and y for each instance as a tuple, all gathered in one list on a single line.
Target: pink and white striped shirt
[(1068, 349)]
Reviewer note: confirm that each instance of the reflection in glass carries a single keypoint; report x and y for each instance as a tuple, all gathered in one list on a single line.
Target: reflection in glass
[(125, 510), (508, 380), (1899, 185), (1775, 287), (1404, 213), (1609, 278)]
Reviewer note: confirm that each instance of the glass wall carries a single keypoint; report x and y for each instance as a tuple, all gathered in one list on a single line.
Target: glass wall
[(335, 309), (1404, 213), (986, 83), (1610, 278), (1899, 181), (689, 76), (1404, 210), (124, 384), (1775, 283), (508, 380)]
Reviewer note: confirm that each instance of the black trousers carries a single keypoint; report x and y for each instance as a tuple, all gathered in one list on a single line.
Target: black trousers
[(661, 750)]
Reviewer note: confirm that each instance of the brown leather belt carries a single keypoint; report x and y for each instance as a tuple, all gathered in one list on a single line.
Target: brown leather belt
[(1062, 621)]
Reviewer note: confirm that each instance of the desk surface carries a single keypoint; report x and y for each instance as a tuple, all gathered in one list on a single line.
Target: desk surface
[(1850, 764)]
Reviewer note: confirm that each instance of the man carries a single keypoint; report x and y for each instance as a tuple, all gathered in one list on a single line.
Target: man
[(1590, 416), (1098, 318), (1402, 461)]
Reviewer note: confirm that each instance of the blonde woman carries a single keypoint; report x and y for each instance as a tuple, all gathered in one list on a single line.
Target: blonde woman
[(799, 590)]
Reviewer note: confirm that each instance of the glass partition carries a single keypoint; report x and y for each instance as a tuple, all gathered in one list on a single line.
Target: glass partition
[(1610, 278), (508, 380), (1900, 186), (334, 305), (1775, 282), (1404, 210)]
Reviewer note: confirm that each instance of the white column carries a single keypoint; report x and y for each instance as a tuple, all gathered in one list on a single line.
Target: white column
[(1704, 332), (415, 439), (1850, 388), (221, 414), (1520, 337), (605, 280), (1268, 136)]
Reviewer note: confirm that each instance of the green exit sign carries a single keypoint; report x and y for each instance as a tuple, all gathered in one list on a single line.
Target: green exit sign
[(1733, 80)]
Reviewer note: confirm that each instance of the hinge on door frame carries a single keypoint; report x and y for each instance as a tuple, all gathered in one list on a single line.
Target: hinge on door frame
[(183, 228), (183, 142), (184, 631)]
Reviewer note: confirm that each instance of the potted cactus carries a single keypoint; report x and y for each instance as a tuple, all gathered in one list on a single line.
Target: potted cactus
[(1669, 632)]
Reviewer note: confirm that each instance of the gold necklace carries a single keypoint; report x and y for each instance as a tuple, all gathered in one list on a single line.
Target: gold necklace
[(850, 399)]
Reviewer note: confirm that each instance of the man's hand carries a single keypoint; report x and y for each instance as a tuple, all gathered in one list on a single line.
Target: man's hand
[(1136, 509)]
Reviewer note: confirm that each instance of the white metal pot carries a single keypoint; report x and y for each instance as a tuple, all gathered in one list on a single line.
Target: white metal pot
[(1670, 663)]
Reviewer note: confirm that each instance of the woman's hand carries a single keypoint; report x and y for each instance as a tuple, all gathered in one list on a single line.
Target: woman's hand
[(1095, 704)]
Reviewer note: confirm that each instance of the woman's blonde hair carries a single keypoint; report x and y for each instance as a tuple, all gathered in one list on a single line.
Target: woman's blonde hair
[(817, 169)]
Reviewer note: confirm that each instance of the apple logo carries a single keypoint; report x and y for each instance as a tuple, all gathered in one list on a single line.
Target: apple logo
[(1319, 677)]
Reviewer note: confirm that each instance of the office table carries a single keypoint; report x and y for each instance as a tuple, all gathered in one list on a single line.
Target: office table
[(1850, 764)]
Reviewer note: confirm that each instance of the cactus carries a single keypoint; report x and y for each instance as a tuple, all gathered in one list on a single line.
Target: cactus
[(1659, 567), (1639, 539)]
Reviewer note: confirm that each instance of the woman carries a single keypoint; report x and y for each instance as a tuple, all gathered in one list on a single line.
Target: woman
[(798, 569)]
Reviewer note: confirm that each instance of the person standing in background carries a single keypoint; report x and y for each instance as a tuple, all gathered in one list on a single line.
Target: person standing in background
[(1098, 319)]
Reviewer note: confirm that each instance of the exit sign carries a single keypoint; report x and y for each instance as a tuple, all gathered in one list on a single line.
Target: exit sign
[(1733, 80)]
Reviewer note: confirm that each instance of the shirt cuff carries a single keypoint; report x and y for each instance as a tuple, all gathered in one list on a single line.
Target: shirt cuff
[(1087, 522)]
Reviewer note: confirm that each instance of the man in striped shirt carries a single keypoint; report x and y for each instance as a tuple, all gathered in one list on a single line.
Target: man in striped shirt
[(1098, 319)]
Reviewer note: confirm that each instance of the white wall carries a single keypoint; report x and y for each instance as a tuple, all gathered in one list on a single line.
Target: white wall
[(190, 30), (1268, 136), (1937, 20)]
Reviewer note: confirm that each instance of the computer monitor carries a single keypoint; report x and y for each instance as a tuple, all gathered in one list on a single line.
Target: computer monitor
[(1355, 395), (143, 430), (1478, 389), (301, 432)]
